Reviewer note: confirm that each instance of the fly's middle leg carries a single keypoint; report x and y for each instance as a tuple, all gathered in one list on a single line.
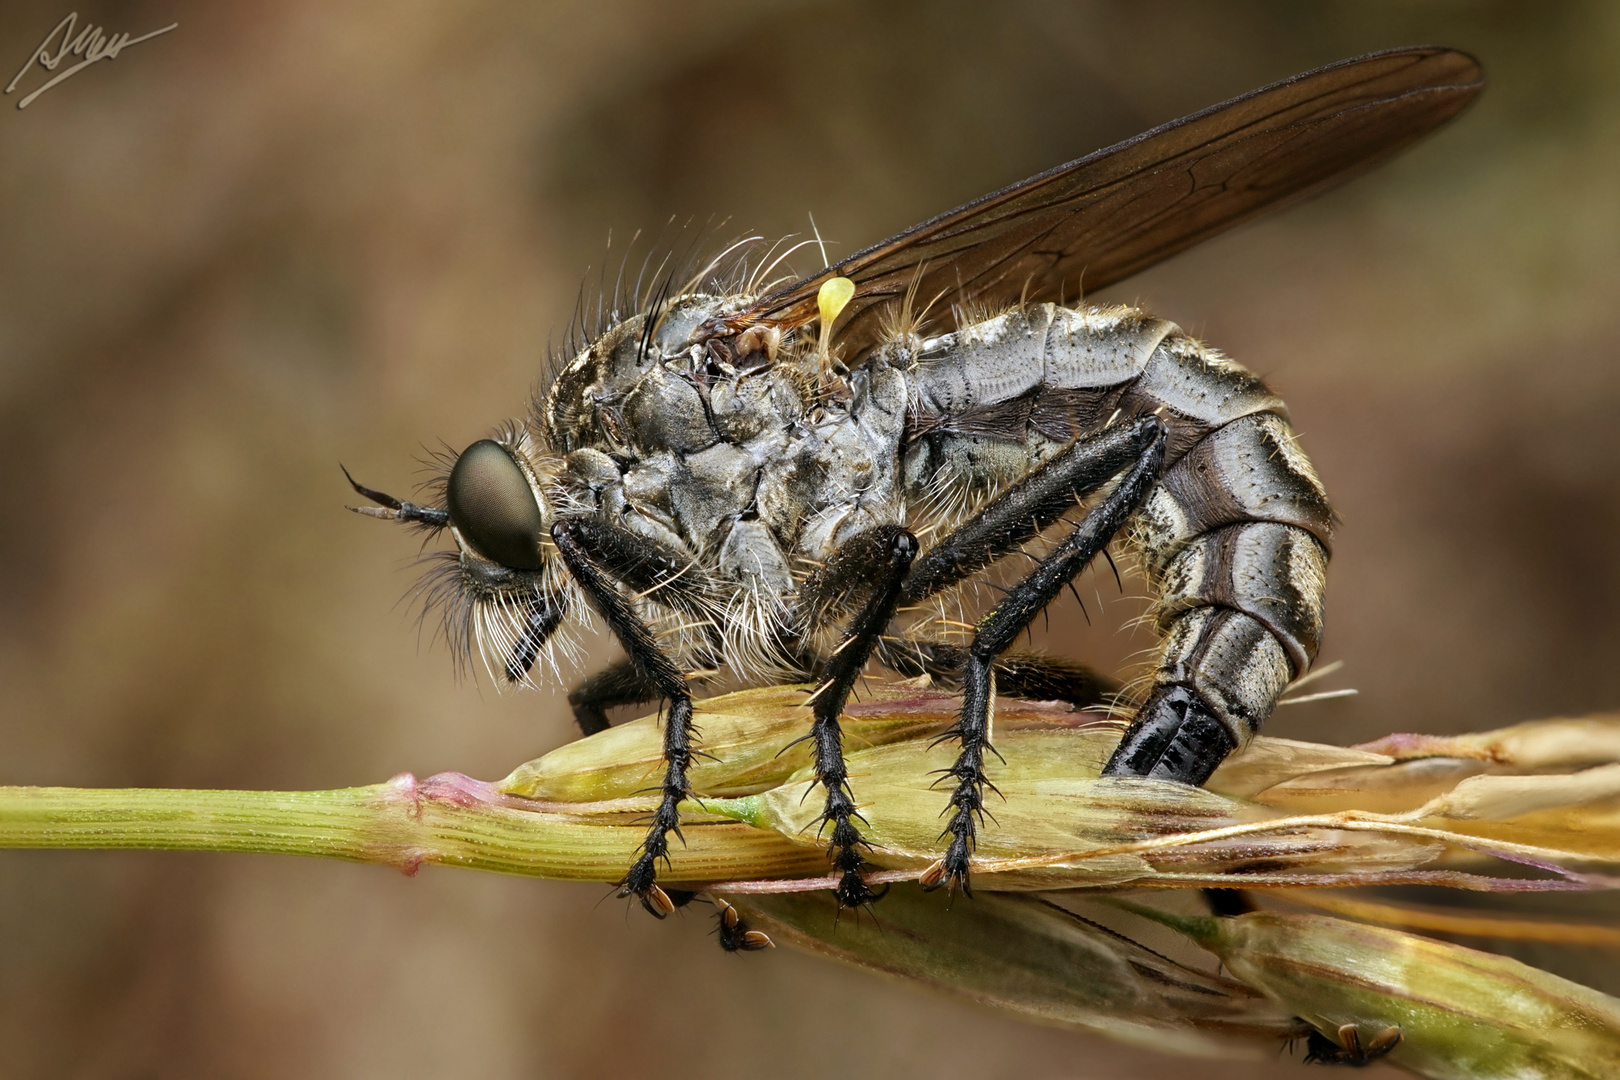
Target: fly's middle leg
[(879, 559), (998, 630)]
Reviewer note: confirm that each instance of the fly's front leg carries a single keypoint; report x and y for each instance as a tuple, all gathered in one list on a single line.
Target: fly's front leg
[(587, 547), (650, 570), (881, 557), (998, 630)]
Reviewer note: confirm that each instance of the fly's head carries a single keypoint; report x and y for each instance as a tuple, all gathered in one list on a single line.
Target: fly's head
[(501, 589)]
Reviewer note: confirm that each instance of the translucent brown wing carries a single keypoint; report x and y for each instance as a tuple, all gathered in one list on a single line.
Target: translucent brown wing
[(1110, 214)]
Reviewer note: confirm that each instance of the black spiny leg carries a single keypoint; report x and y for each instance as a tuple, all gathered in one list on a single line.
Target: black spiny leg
[(1027, 675), (734, 932), (583, 543), (881, 557), (620, 683), (998, 630), (1022, 511), (543, 618), (649, 570), (729, 926)]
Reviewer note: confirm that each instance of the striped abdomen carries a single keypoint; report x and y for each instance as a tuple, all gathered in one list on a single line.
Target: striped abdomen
[(1233, 539)]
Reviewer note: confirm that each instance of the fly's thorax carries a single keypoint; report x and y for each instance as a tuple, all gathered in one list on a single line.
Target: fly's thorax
[(679, 478), (754, 407), (634, 495), (673, 447), (733, 464), (838, 473)]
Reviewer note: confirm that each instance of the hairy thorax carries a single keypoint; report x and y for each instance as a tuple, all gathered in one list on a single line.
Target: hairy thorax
[(759, 471), (758, 475)]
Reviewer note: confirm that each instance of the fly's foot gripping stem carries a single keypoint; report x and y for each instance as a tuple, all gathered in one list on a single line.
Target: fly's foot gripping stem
[(588, 549), (966, 808), (881, 557)]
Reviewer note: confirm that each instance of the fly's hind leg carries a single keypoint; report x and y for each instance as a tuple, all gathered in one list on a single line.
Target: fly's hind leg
[(621, 683), (597, 555), (1027, 675), (880, 559), (1015, 516)]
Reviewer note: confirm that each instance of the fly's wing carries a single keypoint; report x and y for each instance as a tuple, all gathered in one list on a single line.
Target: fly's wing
[(1110, 214)]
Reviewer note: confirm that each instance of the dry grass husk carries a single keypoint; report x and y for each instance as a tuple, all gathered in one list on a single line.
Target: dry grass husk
[(1533, 807), (1471, 812)]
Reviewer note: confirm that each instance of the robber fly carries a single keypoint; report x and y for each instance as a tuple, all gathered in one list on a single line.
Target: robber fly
[(776, 481)]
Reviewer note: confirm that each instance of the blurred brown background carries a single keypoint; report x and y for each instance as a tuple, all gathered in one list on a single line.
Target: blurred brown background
[(286, 235)]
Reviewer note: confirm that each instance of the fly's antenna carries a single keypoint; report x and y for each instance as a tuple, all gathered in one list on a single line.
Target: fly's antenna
[(389, 508)]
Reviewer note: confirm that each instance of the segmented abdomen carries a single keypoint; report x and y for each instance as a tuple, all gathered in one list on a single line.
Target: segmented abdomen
[(1234, 538)]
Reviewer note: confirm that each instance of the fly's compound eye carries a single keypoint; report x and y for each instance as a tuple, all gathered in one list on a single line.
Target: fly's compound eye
[(494, 508)]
